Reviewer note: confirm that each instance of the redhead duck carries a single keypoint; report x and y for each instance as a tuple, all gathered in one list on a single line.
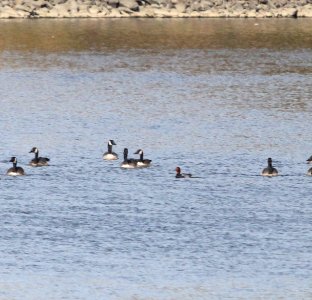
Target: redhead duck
[(182, 175)]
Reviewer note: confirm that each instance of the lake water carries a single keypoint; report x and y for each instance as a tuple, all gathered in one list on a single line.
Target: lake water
[(215, 97)]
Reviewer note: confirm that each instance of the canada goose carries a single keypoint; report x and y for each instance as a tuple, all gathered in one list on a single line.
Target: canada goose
[(141, 161), (110, 155), (38, 161), (128, 163), (269, 170), (15, 171)]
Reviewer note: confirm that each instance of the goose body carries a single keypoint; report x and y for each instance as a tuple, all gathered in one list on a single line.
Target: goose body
[(128, 163), (15, 171), (269, 170), (141, 161), (110, 155), (182, 175), (38, 161)]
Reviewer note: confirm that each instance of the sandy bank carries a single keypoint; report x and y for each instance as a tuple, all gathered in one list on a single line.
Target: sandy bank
[(154, 8)]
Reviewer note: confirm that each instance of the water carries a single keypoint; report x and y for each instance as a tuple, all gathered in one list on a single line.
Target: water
[(215, 97)]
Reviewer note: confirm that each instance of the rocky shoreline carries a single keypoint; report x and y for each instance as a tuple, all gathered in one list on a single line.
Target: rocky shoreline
[(155, 8)]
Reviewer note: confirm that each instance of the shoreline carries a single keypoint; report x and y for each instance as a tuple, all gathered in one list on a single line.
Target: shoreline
[(23, 9)]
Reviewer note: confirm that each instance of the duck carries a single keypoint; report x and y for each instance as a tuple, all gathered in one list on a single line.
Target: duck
[(128, 163), (309, 160), (110, 155), (38, 161), (309, 172), (182, 175), (15, 171), (269, 170), (142, 162)]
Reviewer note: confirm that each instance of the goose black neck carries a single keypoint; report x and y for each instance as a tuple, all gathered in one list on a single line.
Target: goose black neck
[(14, 166), (110, 148), (37, 156), (125, 155), (141, 156)]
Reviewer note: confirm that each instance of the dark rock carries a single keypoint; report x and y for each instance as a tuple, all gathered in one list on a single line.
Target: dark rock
[(113, 3)]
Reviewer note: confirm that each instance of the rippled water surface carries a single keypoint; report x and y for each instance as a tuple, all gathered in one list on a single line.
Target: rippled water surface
[(215, 97)]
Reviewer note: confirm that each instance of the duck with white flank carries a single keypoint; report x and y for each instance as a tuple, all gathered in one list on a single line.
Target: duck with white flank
[(128, 163), (269, 170), (141, 161), (15, 171), (182, 175), (110, 155), (38, 161)]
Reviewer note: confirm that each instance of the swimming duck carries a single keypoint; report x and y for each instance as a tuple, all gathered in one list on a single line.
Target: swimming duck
[(142, 162), (110, 155), (182, 175), (269, 170), (128, 163), (15, 171), (309, 160), (38, 161)]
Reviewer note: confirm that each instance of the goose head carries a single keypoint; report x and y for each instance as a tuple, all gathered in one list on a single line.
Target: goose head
[(111, 142), (34, 150)]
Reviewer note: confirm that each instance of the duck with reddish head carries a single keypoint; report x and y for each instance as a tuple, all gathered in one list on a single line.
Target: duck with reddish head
[(182, 175)]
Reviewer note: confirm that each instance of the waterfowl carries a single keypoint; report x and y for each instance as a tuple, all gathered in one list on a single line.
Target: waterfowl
[(15, 171), (309, 172), (182, 175), (142, 162), (269, 170), (309, 160), (38, 161), (128, 163), (110, 155)]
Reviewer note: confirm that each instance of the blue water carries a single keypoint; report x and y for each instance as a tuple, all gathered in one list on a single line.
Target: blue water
[(84, 228)]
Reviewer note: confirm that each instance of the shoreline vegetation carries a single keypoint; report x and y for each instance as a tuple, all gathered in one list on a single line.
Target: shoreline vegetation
[(155, 9)]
